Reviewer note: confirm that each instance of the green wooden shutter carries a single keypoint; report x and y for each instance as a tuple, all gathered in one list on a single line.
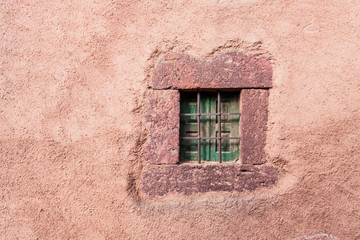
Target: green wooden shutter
[(229, 127), (188, 127), (209, 127)]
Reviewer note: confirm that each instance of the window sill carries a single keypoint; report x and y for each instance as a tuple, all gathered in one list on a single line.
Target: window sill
[(160, 180)]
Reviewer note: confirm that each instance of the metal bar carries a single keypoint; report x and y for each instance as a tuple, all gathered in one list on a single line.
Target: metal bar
[(208, 114), (198, 121), (219, 127), (205, 138)]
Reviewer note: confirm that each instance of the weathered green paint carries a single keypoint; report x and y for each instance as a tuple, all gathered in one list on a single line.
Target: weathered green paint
[(188, 127), (209, 126)]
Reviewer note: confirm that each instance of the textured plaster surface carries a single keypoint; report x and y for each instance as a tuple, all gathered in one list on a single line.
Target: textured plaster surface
[(74, 79)]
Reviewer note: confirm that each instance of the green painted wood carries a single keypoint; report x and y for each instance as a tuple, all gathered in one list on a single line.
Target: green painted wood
[(209, 127), (188, 127), (229, 127)]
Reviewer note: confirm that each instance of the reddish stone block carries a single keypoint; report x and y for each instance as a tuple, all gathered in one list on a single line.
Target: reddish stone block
[(193, 178), (254, 116), (162, 117), (229, 70)]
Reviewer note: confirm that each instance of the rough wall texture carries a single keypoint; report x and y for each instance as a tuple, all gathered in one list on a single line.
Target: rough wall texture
[(228, 70), (74, 77), (162, 119), (193, 178), (254, 118)]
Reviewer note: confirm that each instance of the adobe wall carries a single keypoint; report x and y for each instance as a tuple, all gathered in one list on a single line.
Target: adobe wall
[(74, 86)]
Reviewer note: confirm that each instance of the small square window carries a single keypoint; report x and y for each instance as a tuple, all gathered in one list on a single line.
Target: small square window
[(209, 126), (195, 115)]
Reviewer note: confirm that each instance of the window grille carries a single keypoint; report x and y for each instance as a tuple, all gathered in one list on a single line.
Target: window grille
[(219, 114)]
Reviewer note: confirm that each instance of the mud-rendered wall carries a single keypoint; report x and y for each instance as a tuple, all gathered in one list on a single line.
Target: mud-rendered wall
[(74, 80)]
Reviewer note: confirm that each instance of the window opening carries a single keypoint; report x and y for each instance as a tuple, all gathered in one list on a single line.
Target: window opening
[(209, 126)]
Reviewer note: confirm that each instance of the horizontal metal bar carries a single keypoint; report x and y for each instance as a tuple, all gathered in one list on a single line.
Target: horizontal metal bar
[(208, 114), (204, 138)]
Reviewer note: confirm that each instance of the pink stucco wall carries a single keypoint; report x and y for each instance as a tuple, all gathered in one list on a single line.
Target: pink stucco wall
[(74, 78)]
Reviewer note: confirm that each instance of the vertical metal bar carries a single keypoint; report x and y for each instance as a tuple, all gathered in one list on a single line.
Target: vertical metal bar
[(198, 121), (219, 126)]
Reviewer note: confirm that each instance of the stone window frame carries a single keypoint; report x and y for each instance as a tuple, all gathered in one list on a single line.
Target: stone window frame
[(233, 70)]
